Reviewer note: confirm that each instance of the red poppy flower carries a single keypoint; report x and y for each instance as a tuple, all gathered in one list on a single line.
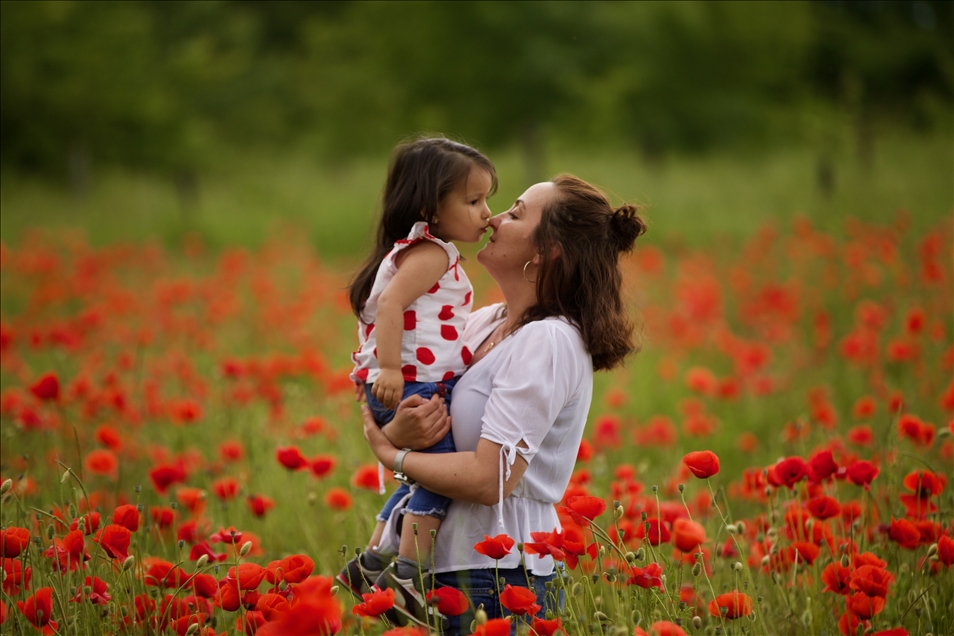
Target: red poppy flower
[(338, 499), (824, 507), (666, 628), (90, 523), (585, 452), (322, 465), (735, 603), (703, 464), (924, 483), (653, 531), (114, 540), (14, 576), (864, 606), (494, 627), (904, 533), (449, 600), (836, 578), (192, 499), (291, 458), (848, 624), (98, 591), (258, 505), (872, 580), (204, 549), (821, 466), (366, 477), (272, 606), (13, 540), (585, 508), (543, 627), (127, 516), (165, 475), (162, 516), (314, 612), (860, 435), (225, 488), (519, 600), (495, 547), (862, 473), (231, 535), (375, 603), (945, 550), (647, 577), (101, 461), (204, 585), (687, 535), (788, 472), (38, 609), (231, 451), (292, 569), (46, 387)]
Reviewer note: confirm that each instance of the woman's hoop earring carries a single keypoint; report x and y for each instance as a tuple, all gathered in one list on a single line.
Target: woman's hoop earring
[(525, 265)]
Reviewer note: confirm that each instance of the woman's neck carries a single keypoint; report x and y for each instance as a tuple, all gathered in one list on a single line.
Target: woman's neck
[(519, 299)]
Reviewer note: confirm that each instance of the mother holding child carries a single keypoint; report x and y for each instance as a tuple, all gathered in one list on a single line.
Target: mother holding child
[(517, 376)]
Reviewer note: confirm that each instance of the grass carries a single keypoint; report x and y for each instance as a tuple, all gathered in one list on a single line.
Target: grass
[(691, 200)]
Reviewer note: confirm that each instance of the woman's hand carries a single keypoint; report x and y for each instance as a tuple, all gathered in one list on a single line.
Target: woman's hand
[(380, 446), (417, 423)]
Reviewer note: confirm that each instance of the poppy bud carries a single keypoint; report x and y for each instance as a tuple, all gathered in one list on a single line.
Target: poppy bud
[(312, 498), (737, 566), (602, 550), (640, 554), (129, 562), (50, 531), (137, 489), (600, 616), (202, 562), (65, 475), (180, 543), (193, 628), (681, 487), (519, 547), (334, 589), (637, 616), (806, 618), (414, 528), (7, 485), (576, 590), (731, 529), (655, 488), (697, 622), (619, 512), (697, 569), (598, 601), (246, 547), (769, 491), (630, 557), (480, 615), (932, 550), (765, 561), (740, 527)]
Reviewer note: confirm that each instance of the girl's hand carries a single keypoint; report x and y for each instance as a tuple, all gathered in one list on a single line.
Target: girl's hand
[(418, 423), (380, 446), (388, 388), (359, 392)]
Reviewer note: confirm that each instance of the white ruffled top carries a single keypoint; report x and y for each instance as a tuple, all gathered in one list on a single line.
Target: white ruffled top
[(531, 394)]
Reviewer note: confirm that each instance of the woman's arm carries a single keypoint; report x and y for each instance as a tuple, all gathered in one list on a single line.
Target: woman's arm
[(464, 476)]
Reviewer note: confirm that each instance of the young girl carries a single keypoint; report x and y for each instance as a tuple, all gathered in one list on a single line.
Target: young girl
[(411, 298)]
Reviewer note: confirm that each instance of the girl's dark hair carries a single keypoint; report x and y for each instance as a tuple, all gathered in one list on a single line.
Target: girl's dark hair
[(581, 280), (421, 174)]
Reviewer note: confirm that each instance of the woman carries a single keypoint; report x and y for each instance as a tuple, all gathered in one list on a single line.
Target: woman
[(519, 410)]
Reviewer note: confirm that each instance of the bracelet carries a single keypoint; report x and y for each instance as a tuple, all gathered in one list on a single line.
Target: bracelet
[(399, 467)]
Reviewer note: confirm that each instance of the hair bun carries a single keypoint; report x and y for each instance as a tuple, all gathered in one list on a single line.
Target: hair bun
[(626, 225)]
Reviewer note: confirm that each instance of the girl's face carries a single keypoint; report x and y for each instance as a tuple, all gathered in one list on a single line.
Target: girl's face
[(511, 245), (463, 214)]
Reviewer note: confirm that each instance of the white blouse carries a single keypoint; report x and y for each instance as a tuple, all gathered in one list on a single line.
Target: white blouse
[(531, 394)]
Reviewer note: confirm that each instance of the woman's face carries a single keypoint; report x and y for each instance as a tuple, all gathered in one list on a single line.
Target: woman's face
[(511, 244)]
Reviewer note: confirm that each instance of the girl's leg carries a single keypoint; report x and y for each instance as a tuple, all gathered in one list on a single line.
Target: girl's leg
[(418, 547)]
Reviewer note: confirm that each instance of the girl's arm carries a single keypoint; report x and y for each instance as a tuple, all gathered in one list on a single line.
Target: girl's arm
[(419, 267), (464, 476)]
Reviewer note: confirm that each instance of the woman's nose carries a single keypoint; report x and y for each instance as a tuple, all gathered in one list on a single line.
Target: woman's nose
[(495, 221)]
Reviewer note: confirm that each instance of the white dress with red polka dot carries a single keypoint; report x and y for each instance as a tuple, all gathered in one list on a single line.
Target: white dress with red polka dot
[(432, 349)]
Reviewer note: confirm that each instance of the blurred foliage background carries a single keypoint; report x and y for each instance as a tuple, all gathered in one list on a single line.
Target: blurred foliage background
[(218, 116)]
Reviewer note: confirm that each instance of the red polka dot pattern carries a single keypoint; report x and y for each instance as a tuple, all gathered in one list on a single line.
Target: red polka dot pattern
[(448, 376), (425, 356), (449, 332), (410, 320), (447, 312), (433, 290), (410, 373), (466, 355)]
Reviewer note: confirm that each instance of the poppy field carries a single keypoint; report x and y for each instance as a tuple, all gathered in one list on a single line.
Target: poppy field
[(182, 452)]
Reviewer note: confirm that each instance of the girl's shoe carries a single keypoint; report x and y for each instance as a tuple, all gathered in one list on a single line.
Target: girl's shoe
[(357, 579), (410, 604)]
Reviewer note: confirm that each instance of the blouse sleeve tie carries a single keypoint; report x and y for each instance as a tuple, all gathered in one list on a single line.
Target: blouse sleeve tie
[(508, 455)]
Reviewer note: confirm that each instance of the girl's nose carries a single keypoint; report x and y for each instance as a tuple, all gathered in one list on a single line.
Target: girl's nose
[(495, 221)]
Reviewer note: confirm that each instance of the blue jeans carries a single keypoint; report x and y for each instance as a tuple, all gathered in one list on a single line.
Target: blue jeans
[(423, 502), (479, 588)]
